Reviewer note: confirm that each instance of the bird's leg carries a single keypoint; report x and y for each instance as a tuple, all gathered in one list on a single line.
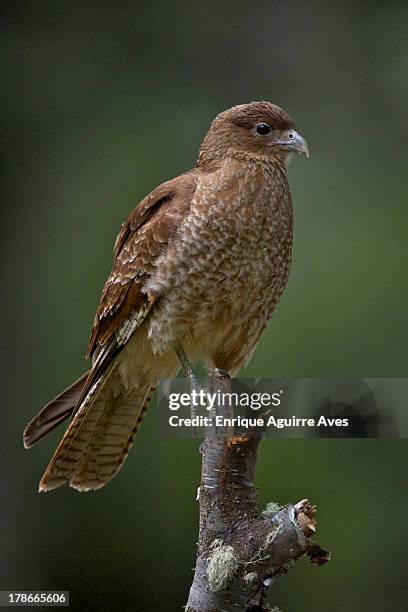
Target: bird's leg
[(188, 371), (185, 364)]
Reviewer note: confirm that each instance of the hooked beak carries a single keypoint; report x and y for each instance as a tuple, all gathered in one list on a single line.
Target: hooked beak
[(294, 142)]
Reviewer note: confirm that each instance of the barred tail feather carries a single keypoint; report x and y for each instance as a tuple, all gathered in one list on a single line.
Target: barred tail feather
[(56, 411), (99, 437), (110, 446)]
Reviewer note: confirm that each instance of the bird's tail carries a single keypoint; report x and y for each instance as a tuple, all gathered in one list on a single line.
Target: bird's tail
[(100, 435), (56, 411)]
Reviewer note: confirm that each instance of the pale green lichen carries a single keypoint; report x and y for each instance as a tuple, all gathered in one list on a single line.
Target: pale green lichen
[(271, 509), (222, 565), (250, 577)]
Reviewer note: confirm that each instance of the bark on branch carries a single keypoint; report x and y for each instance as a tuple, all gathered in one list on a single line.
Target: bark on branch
[(241, 551)]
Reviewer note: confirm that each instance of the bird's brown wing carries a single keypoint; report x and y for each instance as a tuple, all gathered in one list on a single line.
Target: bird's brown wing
[(105, 421), (141, 240)]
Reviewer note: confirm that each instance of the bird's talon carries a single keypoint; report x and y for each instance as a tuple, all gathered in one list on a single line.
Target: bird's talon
[(220, 373)]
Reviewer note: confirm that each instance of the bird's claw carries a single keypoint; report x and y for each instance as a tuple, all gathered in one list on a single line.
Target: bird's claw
[(220, 373)]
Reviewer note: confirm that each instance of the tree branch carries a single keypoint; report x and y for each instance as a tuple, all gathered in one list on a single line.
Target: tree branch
[(241, 552)]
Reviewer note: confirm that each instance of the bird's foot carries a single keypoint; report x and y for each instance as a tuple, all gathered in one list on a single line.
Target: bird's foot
[(220, 373)]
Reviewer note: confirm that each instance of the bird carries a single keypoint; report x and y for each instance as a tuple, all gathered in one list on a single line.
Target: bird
[(199, 267)]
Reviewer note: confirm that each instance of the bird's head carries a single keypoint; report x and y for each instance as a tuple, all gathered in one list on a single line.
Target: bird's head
[(259, 130)]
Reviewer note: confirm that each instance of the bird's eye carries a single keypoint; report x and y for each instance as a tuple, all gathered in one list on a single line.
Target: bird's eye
[(263, 129)]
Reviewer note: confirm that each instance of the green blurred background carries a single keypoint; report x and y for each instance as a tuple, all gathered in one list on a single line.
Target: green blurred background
[(102, 101)]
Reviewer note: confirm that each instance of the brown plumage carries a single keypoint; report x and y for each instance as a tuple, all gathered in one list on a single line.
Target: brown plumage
[(201, 262)]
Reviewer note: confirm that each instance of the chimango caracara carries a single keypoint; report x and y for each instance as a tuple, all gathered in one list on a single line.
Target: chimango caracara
[(199, 267)]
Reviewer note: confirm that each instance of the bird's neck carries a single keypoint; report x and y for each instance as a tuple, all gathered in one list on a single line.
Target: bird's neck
[(241, 183), (264, 163)]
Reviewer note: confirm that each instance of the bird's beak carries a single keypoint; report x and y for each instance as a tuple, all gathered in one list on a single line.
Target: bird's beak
[(293, 142)]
